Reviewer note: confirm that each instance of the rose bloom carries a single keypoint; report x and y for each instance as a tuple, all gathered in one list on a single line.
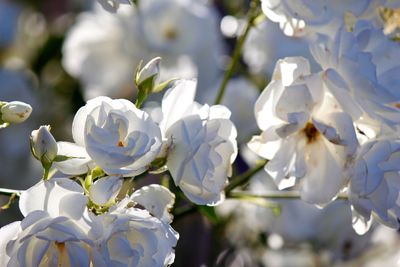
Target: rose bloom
[(117, 136)]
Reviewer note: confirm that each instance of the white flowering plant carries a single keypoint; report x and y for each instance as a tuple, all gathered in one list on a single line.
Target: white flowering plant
[(288, 145)]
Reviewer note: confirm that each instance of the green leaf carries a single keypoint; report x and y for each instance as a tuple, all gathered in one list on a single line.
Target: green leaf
[(61, 158), (210, 213)]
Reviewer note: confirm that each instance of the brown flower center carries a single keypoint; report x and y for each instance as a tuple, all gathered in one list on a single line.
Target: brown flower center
[(310, 132)]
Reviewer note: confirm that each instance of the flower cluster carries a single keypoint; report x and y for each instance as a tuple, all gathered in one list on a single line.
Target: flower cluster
[(335, 131), (324, 129)]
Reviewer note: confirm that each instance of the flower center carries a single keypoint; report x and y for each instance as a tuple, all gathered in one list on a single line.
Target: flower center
[(60, 246), (170, 33), (120, 144), (310, 132)]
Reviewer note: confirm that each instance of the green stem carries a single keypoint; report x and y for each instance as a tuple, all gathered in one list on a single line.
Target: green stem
[(244, 177), (46, 173), (10, 192), (274, 195), (251, 17)]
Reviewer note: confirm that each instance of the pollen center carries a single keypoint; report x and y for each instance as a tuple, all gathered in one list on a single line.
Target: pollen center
[(310, 132), (120, 144)]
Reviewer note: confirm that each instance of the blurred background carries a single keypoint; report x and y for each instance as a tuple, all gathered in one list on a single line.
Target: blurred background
[(55, 55)]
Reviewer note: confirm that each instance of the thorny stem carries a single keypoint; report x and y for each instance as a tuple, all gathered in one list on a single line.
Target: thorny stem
[(251, 17)]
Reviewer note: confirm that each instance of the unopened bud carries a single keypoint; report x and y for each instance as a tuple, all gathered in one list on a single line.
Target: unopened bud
[(15, 112), (150, 70), (43, 145)]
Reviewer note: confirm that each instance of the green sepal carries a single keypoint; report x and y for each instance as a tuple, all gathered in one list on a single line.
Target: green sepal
[(164, 85), (145, 88), (61, 158)]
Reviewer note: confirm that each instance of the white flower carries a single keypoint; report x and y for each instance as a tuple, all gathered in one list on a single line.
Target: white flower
[(385, 56), (305, 134), (41, 240), (350, 75), (157, 200), (104, 190), (132, 237), (375, 184), (325, 16), (44, 146), (201, 154), (53, 232), (199, 143), (120, 138), (15, 112), (104, 49)]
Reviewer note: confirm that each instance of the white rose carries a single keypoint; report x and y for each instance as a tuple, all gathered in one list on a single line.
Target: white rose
[(374, 185), (132, 237), (120, 138), (326, 17), (305, 134), (42, 240), (363, 86), (55, 230), (202, 151)]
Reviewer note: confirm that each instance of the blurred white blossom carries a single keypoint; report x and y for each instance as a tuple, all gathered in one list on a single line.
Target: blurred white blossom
[(104, 49)]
